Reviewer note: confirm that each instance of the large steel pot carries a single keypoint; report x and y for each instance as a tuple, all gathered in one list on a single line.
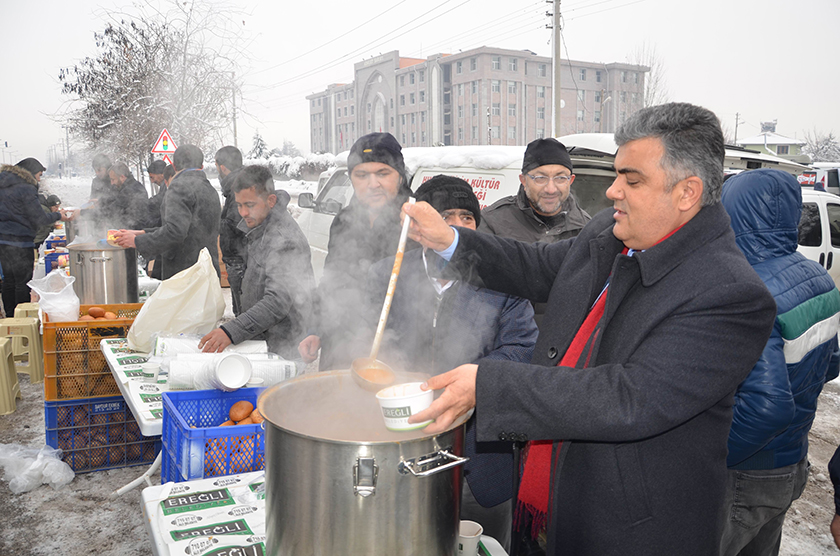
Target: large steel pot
[(338, 482), (104, 274)]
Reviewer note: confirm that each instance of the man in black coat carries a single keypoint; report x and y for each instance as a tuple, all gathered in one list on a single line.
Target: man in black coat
[(100, 184), (231, 238), (190, 215), (124, 205), (654, 317)]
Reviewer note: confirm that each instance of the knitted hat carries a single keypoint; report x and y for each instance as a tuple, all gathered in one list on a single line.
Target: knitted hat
[(448, 192), (377, 147), (31, 165), (156, 167), (542, 152), (53, 201)]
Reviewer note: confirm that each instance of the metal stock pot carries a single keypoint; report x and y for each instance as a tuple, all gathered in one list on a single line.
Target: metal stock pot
[(338, 482), (104, 274)]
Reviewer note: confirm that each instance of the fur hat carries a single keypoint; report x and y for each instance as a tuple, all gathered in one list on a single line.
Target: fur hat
[(542, 152), (376, 147), (31, 165), (448, 192)]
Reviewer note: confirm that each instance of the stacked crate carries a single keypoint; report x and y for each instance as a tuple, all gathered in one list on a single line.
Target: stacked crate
[(85, 414)]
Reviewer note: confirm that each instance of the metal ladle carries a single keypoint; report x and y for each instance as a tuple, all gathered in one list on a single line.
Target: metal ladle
[(368, 372)]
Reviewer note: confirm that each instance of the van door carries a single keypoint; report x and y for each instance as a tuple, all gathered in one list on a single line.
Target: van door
[(819, 234), (832, 225), (316, 222)]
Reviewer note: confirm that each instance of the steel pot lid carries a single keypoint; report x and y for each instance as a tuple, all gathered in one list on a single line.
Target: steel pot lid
[(330, 406), (94, 247)]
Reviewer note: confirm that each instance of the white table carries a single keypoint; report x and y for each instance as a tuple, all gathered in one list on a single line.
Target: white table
[(184, 518), (143, 398)]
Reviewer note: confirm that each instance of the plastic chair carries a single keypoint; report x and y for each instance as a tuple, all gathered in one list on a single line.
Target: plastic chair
[(20, 347), (26, 328), (9, 385)]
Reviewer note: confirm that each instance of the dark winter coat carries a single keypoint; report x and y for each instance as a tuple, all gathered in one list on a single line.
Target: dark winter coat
[(99, 187), (353, 246), (775, 405), (433, 334), (124, 207), (44, 231), (278, 284), (191, 213), (231, 239), (514, 217), (834, 473), (20, 210), (154, 205), (642, 469)]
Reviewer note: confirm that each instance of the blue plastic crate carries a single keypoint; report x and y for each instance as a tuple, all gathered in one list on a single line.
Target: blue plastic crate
[(208, 450), (56, 242), (97, 433)]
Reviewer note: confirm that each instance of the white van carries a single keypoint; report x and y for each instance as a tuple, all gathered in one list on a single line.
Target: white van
[(493, 172), (825, 175), (819, 230)]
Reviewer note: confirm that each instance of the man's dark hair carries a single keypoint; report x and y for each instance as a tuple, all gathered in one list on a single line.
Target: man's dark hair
[(692, 139), (229, 157), (258, 177), (120, 169), (156, 167), (168, 172), (101, 161), (188, 156)]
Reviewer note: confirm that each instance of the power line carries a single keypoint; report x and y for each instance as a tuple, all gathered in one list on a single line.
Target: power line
[(605, 10)]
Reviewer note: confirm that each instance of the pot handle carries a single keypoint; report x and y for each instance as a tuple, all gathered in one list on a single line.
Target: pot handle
[(431, 463), (100, 259)]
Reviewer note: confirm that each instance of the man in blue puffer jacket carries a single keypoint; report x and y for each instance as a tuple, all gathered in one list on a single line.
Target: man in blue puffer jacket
[(775, 405)]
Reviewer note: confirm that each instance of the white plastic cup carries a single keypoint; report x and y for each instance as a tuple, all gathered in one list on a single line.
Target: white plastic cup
[(150, 372), (232, 372), (469, 534), (255, 382), (401, 401)]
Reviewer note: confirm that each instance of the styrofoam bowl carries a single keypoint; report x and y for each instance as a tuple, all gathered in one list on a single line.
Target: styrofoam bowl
[(401, 401)]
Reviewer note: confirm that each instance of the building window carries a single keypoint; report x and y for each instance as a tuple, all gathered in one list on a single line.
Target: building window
[(597, 96), (623, 96), (512, 87), (540, 113), (402, 102), (597, 117), (402, 120), (402, 81), (540, 91), (313, 102), (460, 110), (512, 133), (473, 64), (403, 138), (495, 86), (423, 117), (351, 93), (782, 149), (636, 77), (635, 97), (411, 78), (543, 72), (423, 137), (413, 118), (497, 109), (422, 76), (353, 107), (512, 65), (423, 96), (369, 128), (474, 110), (413, 137), (458, 67), (597, 76), (338, 112), (474, 87), (624, 77), (497, 63), (345, 110), (411, 98), (582, 74), (460, 134), (540, 134), (475, 132), (460, 89), (447, 118), (368, 107), (511, 110), (581, 94), (392, 122), (319, 102), (580, 115), (446, 97), (495, 132)]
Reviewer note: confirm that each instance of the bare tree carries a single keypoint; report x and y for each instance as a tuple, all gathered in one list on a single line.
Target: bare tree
[(821, 147), (156, 69), (656, 82)]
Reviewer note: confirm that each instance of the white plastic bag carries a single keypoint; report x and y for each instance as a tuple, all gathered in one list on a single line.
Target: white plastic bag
[(190, 302), (58, 300), (27, 468)]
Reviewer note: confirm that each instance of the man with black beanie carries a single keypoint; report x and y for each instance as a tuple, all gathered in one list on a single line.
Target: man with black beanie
[(436, 324)]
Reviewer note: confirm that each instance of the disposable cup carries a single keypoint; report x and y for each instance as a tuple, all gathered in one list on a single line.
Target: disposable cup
[(401, 401), (150, 371), (468, 536), (232, 371)]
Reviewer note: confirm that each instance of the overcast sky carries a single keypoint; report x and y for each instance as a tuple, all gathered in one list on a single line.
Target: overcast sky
[(765, 59)]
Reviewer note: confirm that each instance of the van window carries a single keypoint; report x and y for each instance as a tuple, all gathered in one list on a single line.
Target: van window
[(810, 230), (339, 190), (832, 179), (834, 223), (590, 192)]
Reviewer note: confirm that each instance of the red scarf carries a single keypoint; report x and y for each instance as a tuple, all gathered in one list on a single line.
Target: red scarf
[(535, 487)]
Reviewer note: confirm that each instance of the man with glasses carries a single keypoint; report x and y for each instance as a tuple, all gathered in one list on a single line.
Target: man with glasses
[(544, 210)]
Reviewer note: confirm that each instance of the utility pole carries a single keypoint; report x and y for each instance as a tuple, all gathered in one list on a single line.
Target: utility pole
[(233, 93), (557, 69), (737, 121)]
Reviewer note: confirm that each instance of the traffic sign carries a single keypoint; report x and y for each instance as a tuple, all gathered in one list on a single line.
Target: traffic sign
[(167, 159), (164, 144)]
